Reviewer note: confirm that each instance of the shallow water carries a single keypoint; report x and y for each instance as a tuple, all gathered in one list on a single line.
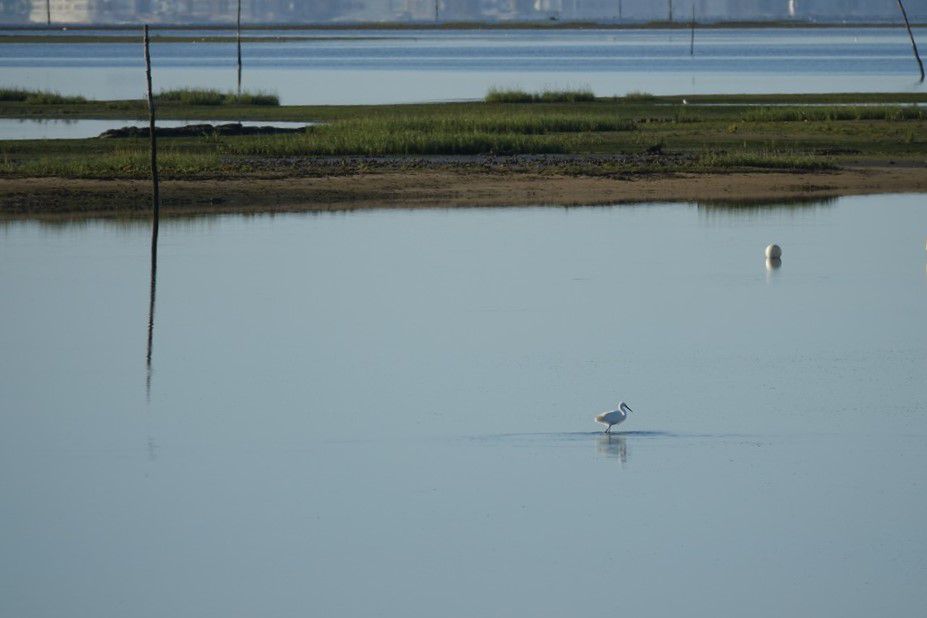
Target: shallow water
[(23, 128), (390, 66), (390, 413)]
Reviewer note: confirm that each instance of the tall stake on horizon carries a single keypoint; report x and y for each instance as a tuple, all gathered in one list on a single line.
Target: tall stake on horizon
[(156, 199), (907, 24), (669, 16), (47, 12), (238, 41), (692, 37), (156, 208)]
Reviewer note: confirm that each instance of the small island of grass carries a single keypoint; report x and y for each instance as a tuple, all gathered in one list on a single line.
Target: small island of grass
[(513, 147)]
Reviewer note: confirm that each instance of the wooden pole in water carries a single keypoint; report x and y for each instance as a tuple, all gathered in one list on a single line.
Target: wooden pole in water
[(156, 198), (619, 10), (47, 12), (238, 40), (156, 208), (907, 24), (670, 14), (692, 37)]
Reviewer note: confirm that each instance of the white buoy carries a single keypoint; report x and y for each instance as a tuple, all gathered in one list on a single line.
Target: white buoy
[(773, 252)]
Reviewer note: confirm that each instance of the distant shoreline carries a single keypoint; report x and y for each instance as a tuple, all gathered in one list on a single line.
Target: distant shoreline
[(513, 25)]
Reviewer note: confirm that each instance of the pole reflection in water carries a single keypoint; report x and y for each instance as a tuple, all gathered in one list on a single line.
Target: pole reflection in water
[(152, 449), (613, 445), (151, 303)]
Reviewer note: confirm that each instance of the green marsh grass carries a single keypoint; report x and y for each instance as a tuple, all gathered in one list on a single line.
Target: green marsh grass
[(636, 96), (776, 160), (490, 132), (733, 136), (122, 163), (37, 97), (501, 95), (196, 96), (834, 113)]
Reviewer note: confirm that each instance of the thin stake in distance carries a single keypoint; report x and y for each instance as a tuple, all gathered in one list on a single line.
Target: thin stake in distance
[(156, 200), (692, 36), (907, 24), (238, 40)]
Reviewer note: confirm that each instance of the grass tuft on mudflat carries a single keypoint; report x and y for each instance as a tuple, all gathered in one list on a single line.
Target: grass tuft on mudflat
[(772, 160), (196, 96), (636, 96), (497, 95), (37, 97)]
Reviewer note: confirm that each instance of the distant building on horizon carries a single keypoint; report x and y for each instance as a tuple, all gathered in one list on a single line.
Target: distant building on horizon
[(424, 11)]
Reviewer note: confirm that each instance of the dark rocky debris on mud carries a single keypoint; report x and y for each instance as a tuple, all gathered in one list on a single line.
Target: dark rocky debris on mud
[(197, 130)]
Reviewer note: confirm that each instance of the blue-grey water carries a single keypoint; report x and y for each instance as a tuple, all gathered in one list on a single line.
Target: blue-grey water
[(403, 66), (58, 128), (390, 413)]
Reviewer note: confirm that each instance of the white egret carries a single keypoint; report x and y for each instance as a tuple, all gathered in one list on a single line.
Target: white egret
[(614, 417)]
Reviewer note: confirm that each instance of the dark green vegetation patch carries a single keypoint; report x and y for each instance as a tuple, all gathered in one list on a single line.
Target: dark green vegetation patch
[(642, 133)]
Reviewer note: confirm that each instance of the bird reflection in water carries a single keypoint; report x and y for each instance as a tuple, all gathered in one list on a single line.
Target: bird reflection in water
[(613, 445)]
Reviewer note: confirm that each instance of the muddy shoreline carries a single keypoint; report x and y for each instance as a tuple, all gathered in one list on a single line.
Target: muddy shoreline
[(430, 187)]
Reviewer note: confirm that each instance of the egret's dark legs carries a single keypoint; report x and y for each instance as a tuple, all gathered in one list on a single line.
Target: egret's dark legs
[(608, 429)]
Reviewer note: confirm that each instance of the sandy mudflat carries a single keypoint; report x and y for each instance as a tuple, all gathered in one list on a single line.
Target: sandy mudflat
[(441, 188)]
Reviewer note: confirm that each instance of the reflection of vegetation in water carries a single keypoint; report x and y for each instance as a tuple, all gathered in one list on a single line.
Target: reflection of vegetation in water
[(120, 221), (748, 209), (741, 205)]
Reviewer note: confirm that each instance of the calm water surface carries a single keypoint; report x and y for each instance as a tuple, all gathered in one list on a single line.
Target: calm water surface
[(394, 66), (390, 413), (22, 128)]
